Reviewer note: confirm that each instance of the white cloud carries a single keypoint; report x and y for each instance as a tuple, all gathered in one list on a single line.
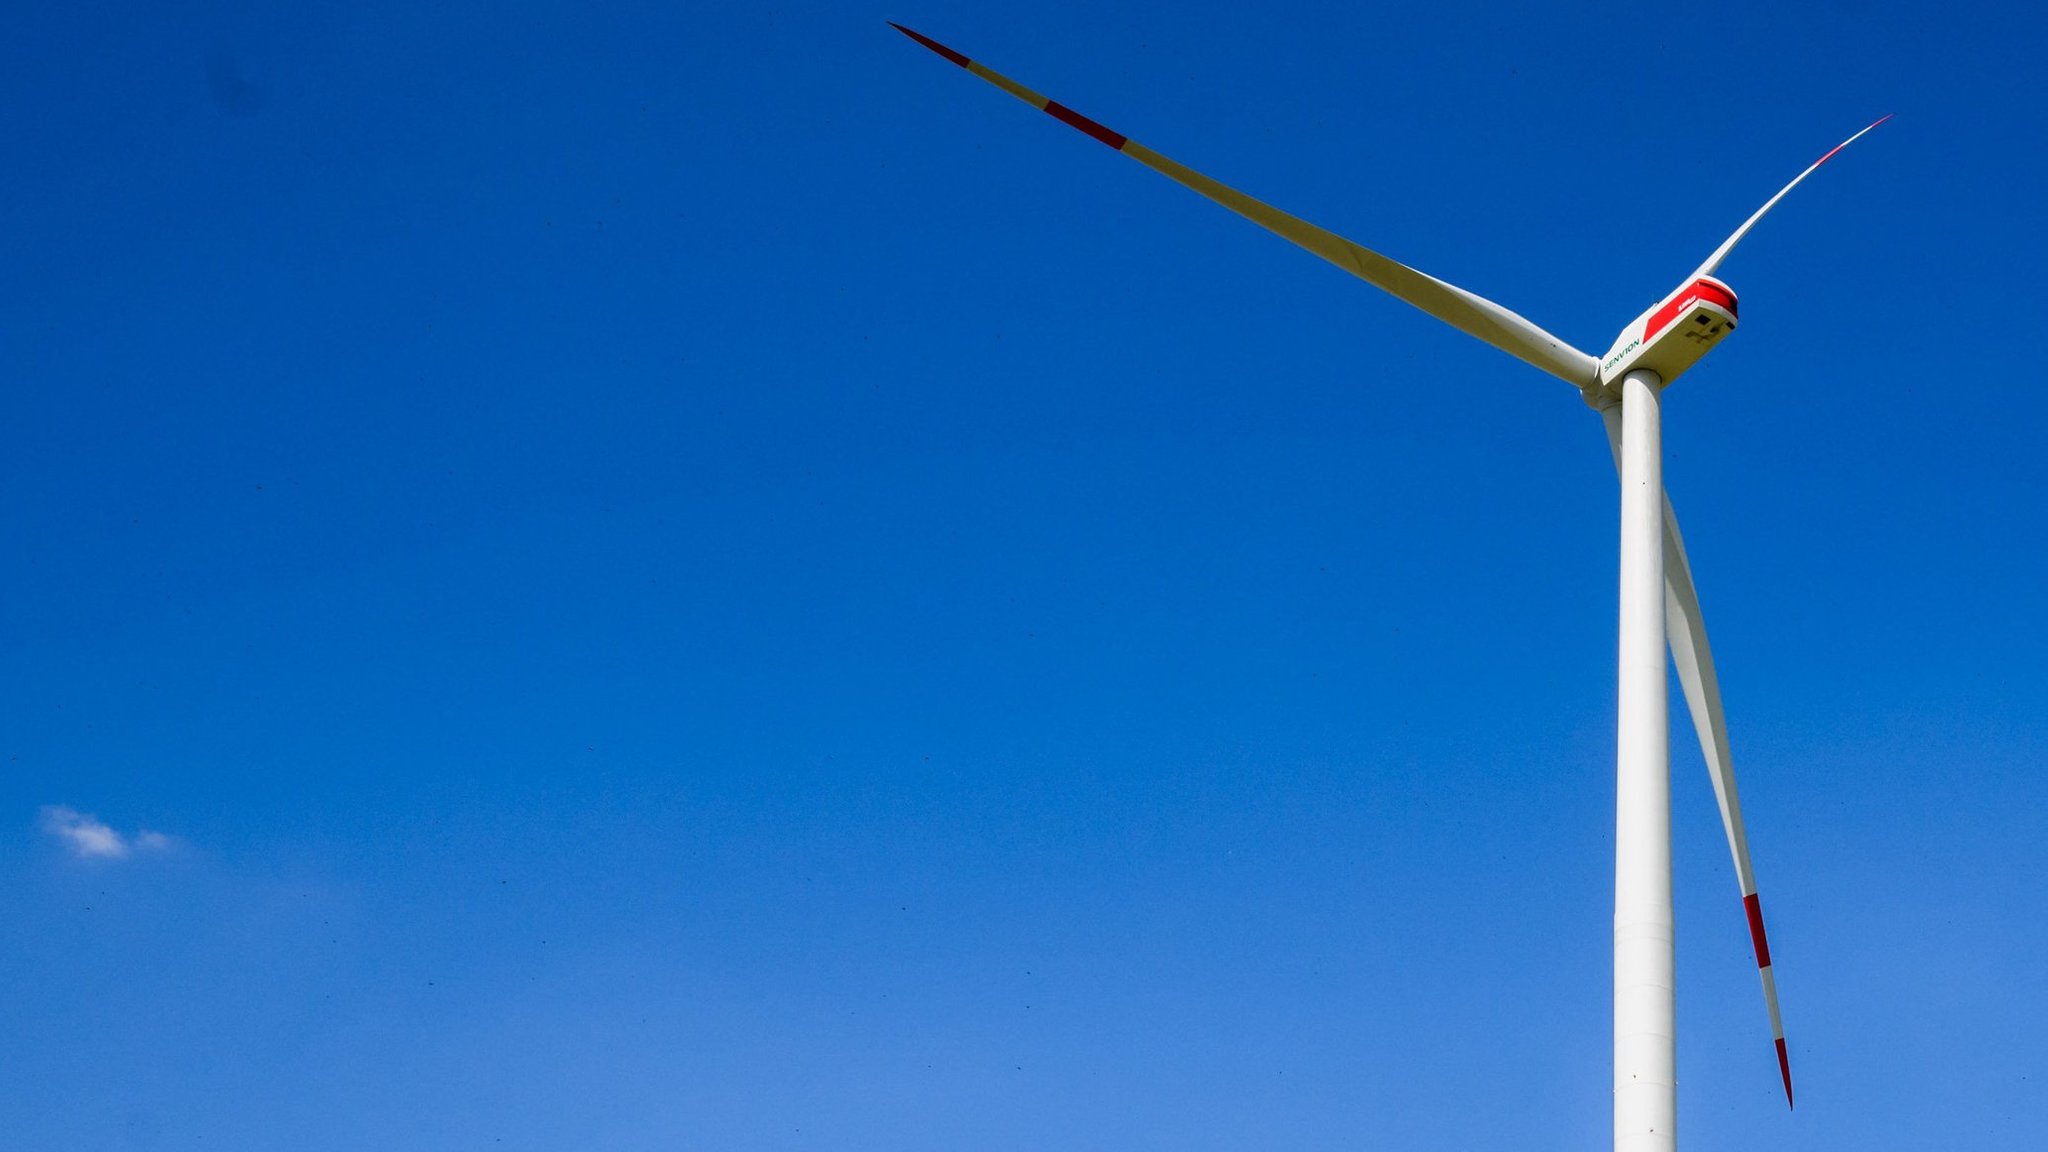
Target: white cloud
[(89, 837)]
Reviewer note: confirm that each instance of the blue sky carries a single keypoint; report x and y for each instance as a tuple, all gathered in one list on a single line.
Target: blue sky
[(660, 578)]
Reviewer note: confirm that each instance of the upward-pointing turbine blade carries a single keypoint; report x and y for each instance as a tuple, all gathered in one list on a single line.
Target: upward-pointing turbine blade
[(1728, 245), (1463, 310), (1686, 629)]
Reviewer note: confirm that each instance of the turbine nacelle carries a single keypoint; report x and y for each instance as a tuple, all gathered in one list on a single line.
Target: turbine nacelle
[(1670, 336)]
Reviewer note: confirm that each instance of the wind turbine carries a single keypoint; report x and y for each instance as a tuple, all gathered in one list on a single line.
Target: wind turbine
[(1659, 604)]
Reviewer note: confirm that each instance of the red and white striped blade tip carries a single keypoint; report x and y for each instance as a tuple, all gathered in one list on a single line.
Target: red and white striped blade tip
[(1816, 163), (1753, 908), (1785, 1072), (932, 44)]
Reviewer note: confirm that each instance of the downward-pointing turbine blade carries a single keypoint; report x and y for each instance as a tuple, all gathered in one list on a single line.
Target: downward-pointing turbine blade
[(1694, 660), (1465, 311), (1728, 245), (1686, 629)]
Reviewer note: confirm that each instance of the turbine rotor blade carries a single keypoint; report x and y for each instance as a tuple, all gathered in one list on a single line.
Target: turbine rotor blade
[(1469, 313), (1728, 245), (1686, 629), (1694, 660)]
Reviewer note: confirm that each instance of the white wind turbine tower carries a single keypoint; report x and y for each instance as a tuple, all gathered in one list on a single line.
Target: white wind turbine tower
[(1658, 601)]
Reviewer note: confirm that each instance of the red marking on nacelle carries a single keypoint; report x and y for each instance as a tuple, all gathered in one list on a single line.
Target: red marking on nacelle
[(1700, 291), (1714, 293), (1066, 115)]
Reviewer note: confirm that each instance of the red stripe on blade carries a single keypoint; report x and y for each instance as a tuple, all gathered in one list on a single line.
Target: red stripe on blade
[(1755, 908), (1066, 115), (1845, 143), (932, 44), (1785, 1071)]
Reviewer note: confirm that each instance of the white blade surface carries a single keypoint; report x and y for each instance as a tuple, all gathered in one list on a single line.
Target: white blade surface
[(1463, 310), (1728, 245), (1686, 629)]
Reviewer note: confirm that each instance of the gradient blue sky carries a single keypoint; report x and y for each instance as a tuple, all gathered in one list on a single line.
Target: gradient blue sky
[(667, 578)]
